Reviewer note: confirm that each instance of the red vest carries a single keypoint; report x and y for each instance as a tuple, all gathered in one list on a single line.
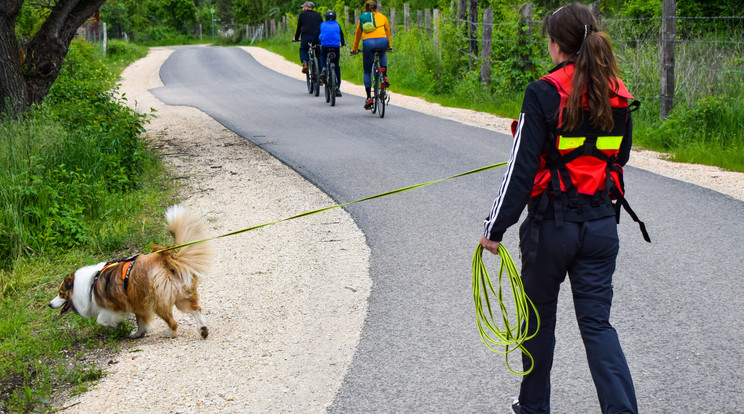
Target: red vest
[(586, 165)]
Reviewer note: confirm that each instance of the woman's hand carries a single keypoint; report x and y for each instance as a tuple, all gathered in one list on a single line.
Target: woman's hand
[(490, 245)]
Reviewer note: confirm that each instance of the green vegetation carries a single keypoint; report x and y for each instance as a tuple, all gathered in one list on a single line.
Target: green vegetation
[(77, 185), (706, 126)]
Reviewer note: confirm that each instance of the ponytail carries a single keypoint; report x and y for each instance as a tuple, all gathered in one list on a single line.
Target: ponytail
[(574, 28)]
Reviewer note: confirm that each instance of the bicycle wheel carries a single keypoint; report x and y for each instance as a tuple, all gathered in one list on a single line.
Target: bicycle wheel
[(316, 76), (381, 107), (375, 87), (309, 79), (327, 86), (332, 83)]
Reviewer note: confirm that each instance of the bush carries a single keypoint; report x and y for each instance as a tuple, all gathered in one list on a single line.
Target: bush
[(708, 132), (64, 159)]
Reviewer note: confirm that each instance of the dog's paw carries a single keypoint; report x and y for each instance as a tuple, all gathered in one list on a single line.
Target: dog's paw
[(171, 334), (137, 334), (204, 332)]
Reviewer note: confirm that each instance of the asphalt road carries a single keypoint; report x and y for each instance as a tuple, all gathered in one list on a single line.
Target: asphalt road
[(677, 304)]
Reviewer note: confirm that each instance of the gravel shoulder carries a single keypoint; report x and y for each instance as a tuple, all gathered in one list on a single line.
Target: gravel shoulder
[(285, 304)]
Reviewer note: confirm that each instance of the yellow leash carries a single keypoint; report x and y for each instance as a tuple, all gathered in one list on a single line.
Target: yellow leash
[(511, 337), (307, 213)]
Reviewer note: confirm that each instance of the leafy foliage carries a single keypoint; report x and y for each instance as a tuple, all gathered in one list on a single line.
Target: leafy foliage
[(62, 160)]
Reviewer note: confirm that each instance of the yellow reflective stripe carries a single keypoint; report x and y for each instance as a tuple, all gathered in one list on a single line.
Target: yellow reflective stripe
[(603, 143), (609, 143), (566, 143)]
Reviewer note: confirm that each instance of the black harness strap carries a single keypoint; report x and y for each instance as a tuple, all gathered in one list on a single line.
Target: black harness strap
[(129, 270)]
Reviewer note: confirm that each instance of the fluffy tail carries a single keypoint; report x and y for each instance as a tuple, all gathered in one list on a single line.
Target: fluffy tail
[(194, 260)]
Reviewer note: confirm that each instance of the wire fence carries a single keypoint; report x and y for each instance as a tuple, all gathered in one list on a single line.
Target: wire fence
[(708, 59)]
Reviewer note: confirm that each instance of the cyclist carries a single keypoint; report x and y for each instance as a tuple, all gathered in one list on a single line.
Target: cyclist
[(377, 38), (307, 27), (330, 35)]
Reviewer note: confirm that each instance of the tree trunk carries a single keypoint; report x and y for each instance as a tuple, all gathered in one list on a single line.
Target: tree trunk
[(44, 54), (12, 87)]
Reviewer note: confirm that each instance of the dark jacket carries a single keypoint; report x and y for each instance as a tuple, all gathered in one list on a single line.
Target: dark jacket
[(308, 24), (537, 124)]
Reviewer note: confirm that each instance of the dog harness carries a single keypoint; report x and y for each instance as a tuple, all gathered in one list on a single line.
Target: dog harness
[(126, 268)]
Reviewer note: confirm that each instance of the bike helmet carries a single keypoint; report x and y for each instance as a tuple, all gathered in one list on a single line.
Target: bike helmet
[(330, 15)]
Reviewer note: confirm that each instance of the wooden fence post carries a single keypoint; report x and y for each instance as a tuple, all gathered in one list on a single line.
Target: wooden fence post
[(485, 72), (595, 8), (524, 37), (356, 17), (473, 17), (419, 18), (392, 21), (346, 14), (427, 21), (668, 29), (436, 26), (406, 15), (462, 11), (273, 28)]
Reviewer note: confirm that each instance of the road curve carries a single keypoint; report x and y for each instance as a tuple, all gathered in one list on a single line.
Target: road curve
[(677, 300)]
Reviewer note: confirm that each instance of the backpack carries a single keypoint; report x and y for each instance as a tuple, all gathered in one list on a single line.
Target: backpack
[(367, 22)]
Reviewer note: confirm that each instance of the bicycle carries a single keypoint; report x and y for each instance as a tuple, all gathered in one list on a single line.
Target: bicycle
[(380, 96), (312, 76), (331, 82), (379, 88)]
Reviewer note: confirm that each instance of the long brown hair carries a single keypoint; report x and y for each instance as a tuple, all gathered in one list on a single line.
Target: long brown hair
[(575, 30)]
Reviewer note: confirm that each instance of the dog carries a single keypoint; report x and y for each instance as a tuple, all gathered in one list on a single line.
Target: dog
[(144, 285)]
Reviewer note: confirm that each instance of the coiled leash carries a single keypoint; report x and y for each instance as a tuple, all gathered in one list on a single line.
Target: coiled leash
[(308, 213), (511, 337)]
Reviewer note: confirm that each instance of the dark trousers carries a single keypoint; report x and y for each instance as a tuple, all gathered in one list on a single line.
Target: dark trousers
[(304, 47), (368, 58), (324, 55), (587, 253)]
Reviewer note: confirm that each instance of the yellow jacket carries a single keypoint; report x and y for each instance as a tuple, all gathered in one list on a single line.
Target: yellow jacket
[(383, 30)]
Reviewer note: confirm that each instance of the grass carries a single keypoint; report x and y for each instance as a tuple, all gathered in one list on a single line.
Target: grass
[(78, 185)]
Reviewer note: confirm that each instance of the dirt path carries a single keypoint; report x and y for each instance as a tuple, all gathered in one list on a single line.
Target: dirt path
[(285, 304)]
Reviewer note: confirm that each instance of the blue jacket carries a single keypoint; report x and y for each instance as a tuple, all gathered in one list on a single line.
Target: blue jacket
[(330, 34)]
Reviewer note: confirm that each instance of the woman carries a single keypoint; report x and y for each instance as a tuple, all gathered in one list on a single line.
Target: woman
[(570, 143), (379, 38)]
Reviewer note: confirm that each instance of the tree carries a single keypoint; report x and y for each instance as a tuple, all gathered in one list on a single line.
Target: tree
[(27, 74)]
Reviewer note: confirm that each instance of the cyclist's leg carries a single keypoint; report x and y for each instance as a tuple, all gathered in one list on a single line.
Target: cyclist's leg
[(368, 58), (322, 60), (383, 61), (304, 47), (338, 68)]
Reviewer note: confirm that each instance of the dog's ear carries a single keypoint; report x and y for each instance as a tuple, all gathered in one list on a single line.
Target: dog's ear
[(69, 281)]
